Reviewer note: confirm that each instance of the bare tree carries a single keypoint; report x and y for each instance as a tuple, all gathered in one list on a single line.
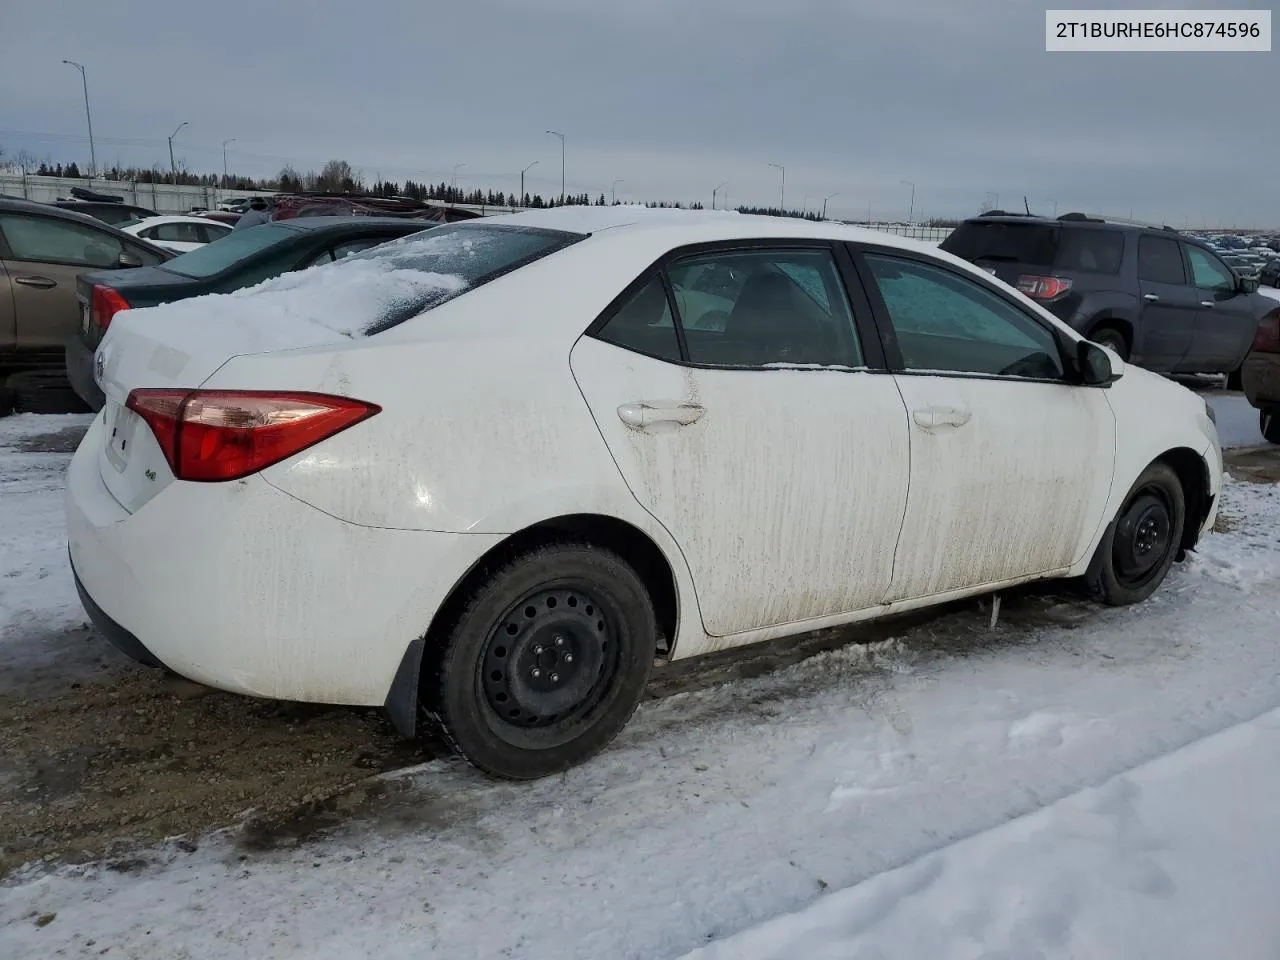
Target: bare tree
[(337, 175)]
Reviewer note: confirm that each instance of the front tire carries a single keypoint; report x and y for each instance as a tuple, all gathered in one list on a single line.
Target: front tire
[(1269, 424), (1142, 542), (546, 663)]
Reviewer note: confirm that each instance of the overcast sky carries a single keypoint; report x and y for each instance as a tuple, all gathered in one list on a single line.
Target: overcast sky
[(671, 96)]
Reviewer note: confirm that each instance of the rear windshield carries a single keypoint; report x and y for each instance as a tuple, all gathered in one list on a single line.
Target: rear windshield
[(1038, 244), (467, 255), (213, 258)]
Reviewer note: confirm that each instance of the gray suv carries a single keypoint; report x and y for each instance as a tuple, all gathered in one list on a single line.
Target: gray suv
[(1159, 299)]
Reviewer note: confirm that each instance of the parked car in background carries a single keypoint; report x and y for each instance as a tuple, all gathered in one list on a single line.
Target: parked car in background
[(109, 213), (1261, 373), (1269, 275), (318, 204), (42, 249), (179, 234), (241, 259), (483, 477), (1156, 297), (219, 216)]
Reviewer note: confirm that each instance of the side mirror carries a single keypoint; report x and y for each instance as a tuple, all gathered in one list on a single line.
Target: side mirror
[(129, 260), (1094, 363), (1249, 284)]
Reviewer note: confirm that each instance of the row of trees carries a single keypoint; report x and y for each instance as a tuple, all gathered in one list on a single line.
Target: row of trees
[(338, 176)]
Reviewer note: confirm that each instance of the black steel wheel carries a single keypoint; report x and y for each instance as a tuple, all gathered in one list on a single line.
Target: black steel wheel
[(545, 664), (1141, 544)]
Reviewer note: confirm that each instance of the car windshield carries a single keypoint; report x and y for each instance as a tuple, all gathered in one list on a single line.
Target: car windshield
[(213, 258), (467, 255)]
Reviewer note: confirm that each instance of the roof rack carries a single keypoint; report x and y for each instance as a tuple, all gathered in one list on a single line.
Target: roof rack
[(1007, 213), (1126, 221)]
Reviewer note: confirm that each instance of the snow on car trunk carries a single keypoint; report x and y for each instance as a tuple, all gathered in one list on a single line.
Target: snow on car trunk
[(181, 344)]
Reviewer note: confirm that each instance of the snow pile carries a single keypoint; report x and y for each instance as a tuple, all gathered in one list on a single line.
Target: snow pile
[(1272, 292), (1173, 859)]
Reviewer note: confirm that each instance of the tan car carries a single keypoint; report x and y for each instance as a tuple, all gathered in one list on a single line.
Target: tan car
[(43, 249)]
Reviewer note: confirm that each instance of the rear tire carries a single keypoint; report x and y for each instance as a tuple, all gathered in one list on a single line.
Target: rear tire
[(545, 664), (1269, 424), (1143, 540), (1113, 340)]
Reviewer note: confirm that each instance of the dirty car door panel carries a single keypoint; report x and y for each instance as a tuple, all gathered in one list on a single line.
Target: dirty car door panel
[(1010, 465), (800, 470)]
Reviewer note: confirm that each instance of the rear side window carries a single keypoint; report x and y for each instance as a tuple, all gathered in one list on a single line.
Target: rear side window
[(1030, 243), (1160, 260), (643, 324), (1090, 251)]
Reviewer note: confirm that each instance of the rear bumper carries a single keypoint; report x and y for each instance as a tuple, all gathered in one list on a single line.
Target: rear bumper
[(79, 359), (1260, 376), (242, 587)]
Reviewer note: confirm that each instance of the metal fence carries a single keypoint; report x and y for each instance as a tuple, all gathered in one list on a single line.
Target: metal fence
[(914, 231)]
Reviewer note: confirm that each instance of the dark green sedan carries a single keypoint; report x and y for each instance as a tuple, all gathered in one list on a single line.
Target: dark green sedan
[(240, 259)]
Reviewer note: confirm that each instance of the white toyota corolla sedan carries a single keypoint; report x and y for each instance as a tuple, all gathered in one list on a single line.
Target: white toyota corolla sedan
[(483, 476)]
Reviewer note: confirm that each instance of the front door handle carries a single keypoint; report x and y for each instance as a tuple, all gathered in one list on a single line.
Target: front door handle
[(44, 283), (642, 415), (1151, 298), (1206, 303), (930, 417)]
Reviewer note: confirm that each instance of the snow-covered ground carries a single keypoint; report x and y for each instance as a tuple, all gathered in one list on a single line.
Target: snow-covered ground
[(1237, 421), (1075, 782)]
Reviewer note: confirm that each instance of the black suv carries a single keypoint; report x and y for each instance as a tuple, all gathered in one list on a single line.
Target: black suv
[(1157, 298)]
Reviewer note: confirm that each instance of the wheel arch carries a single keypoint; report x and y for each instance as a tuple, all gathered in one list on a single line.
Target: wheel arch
[(632, 544), (1193, 474), (1109, 318)]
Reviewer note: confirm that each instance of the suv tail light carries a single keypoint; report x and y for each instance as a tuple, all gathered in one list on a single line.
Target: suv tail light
[(106, 303), (1044, 288), (1267, 339), (218, 435)]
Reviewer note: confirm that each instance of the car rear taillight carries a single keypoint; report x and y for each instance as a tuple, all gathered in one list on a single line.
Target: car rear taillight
[(1043, 288), (217, 435), (1267, 339), (106, 303)]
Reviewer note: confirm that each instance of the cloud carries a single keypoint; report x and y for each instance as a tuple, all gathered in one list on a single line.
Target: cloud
[(672, 96)]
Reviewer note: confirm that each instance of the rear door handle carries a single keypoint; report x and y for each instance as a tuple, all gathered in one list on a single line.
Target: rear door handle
[(1206, 303), (930, 417), (641, 415), (1151, 298), (44, 283)]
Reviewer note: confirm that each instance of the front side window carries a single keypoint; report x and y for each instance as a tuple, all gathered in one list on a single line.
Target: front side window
[(59, 241), (1159, 261), (947, 323), (1207, 271), (754, 308)]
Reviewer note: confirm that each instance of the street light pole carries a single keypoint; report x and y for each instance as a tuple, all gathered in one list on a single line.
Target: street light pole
[(824, 203), (556, 133), (1055, 207), (614, 199), (84, 82), (911, 217), (224, 159), (715, 191), (173, 167), (522, 173), (783, 205)]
